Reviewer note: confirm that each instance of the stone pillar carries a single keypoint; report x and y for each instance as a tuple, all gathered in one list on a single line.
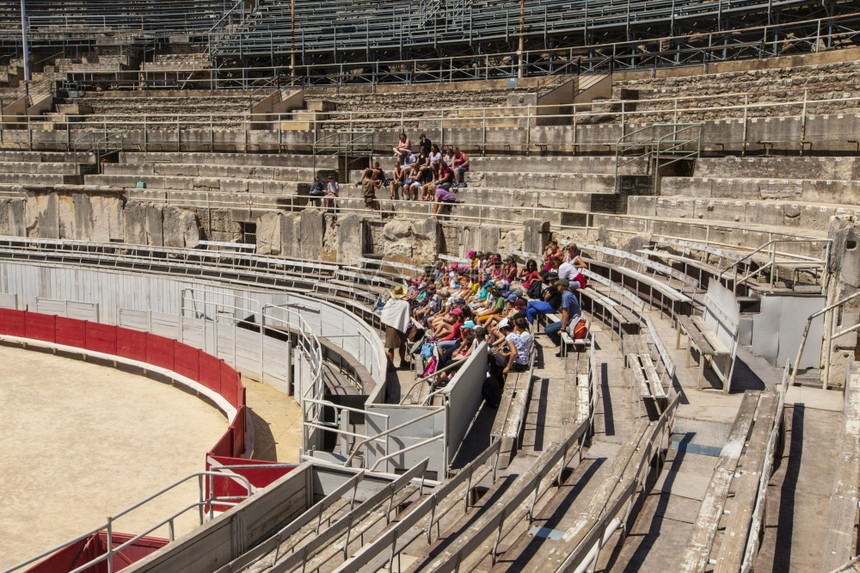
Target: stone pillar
[(13, 217), (536, 234), (180, 228), (845, 281), (275, 234), (143, 224), (311, 234), (350, 238)]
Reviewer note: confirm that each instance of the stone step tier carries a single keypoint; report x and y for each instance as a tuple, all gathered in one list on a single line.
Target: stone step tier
[(213, 184), (203, 158), (785, 214), (807, 190), (208, 170)]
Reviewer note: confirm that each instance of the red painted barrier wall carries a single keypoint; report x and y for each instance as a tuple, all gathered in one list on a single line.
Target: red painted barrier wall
[(181, 358), (76, 554)]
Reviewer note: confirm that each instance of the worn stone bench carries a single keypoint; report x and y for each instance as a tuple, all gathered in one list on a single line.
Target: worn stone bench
[(511, 413), (739, 465), (840, 537), (701, 337), (671, 299)]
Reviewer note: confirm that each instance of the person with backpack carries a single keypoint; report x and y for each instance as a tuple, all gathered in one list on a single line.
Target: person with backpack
[(570, 312)]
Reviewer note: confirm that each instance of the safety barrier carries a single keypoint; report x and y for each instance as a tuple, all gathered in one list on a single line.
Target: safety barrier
[(145, 349)]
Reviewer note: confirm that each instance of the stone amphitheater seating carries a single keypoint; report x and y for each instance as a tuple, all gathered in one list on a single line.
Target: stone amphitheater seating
[(165, 110), (800, 192), (839, 82)]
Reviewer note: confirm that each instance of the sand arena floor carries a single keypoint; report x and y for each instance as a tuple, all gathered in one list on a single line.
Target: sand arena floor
[(81, 442)]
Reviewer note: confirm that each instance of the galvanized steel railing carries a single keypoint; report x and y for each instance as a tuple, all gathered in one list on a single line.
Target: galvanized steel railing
[(204, 505)]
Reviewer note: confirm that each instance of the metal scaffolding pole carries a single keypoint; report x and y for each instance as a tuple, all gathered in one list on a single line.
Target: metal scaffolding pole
[(25, 47)]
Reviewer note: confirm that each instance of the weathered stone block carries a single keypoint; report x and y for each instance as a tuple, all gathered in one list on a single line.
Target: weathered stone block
[(535, 235), (43, 216), (179, 228), (85, 223), (143, 224), (350, 238), (13, 217), (311, 234)]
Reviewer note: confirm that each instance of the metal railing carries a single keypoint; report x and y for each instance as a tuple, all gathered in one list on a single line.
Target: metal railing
[(471, 128), (830, 336), (631, 484), (349, 144), (203, 506), (777, 260), (677, 141), (98, 143), (202, 303)]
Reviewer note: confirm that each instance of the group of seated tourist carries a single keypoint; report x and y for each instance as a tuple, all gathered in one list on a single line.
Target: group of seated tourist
[(451, 309), (428, 175)]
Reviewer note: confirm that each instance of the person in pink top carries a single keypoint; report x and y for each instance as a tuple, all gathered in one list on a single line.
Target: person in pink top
[(460, 165)]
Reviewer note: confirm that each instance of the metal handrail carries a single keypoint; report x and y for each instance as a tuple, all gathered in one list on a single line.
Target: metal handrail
[(838, 304), (773, 263), (385, 433), (201, 504), (754, 536)]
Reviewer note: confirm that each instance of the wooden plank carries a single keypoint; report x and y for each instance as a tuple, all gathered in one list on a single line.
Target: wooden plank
[(614, 476), (691, 329), (839, 539), (502, 411), (634, 366), (583, 399), (735, 536), (518, 405), (701, 539), (670, 292), (652, 377), (718, 347)]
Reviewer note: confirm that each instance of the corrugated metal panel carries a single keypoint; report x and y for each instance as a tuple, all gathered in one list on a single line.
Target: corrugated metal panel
[(83, 310), (49, 306), (8, 300), (134, 319), (165, 325), (194, 332), (277, 366), (248, 353)]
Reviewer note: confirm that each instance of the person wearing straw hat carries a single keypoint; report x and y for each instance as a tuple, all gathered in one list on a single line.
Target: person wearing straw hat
[(395, 317)]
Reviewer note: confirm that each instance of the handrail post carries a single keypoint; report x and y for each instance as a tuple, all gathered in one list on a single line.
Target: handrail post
[(109, 543)]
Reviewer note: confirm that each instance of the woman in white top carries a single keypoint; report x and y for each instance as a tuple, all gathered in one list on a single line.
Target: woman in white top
[(435, 155)]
